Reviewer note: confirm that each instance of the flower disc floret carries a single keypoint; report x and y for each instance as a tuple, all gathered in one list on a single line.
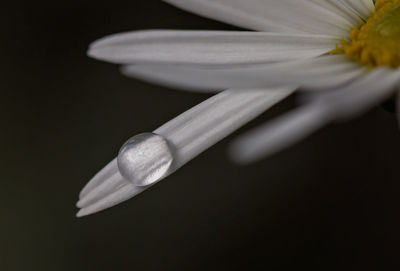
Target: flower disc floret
[(377, 42)]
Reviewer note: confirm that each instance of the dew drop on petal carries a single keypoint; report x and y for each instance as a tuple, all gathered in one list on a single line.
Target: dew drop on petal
[(145, 159)]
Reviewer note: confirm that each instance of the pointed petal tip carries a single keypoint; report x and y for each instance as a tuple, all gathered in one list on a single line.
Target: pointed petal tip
[(107, 188), (102, 176), (80, 214), (102, 53), (79, 204), (96, 53), (238, 155), (86, 212), (85, 190), (82, 193), (98, 43)]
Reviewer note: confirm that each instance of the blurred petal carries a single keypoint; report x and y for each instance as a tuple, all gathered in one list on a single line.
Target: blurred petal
[(321, 72), (358, 97), (287, 16), (208, 47), (288, 129), (278, 134)]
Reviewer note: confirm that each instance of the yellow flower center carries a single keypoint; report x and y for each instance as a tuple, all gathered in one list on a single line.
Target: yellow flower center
[(377, 42)]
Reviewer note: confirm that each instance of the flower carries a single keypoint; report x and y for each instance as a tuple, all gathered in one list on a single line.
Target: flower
[(344, 55)]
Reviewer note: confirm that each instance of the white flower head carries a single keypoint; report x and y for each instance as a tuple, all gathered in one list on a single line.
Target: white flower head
[(344, 53)]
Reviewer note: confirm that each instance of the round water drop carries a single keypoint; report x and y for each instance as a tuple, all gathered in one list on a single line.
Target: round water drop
[(145, 159)]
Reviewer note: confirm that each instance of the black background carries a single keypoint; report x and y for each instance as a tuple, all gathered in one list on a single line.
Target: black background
[(329, 203)]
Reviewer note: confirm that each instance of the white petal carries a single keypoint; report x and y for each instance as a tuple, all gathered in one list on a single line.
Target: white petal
[(100, 191), (278, 134), (123, 193), (106, 173), (356, 98), (362, 7), (188, 135), (321, 72), (208, 47), (350, 101), (271, 15), (204, 125), (352, 10)]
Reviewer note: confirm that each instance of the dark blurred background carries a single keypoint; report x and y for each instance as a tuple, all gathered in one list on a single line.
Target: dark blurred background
[(328, 203)]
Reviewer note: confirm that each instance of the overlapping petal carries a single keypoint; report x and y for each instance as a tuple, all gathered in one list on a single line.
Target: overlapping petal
[(362, 8), (322, 72), (208, 47), (189, 134), (348, 101), (299, 16), (258, 69)]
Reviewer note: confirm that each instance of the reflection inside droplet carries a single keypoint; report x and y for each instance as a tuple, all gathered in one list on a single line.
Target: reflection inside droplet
[(145, 159)]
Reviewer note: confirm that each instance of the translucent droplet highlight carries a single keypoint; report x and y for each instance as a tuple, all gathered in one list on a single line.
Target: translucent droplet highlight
[(145, 159)]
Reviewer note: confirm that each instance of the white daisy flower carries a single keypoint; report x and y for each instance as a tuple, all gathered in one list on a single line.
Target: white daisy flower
[(345, 54)]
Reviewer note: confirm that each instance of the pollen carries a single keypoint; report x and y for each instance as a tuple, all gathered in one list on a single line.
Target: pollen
[(377, 41)]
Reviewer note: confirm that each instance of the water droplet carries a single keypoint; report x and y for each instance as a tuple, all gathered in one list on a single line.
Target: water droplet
[(145, 159)]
